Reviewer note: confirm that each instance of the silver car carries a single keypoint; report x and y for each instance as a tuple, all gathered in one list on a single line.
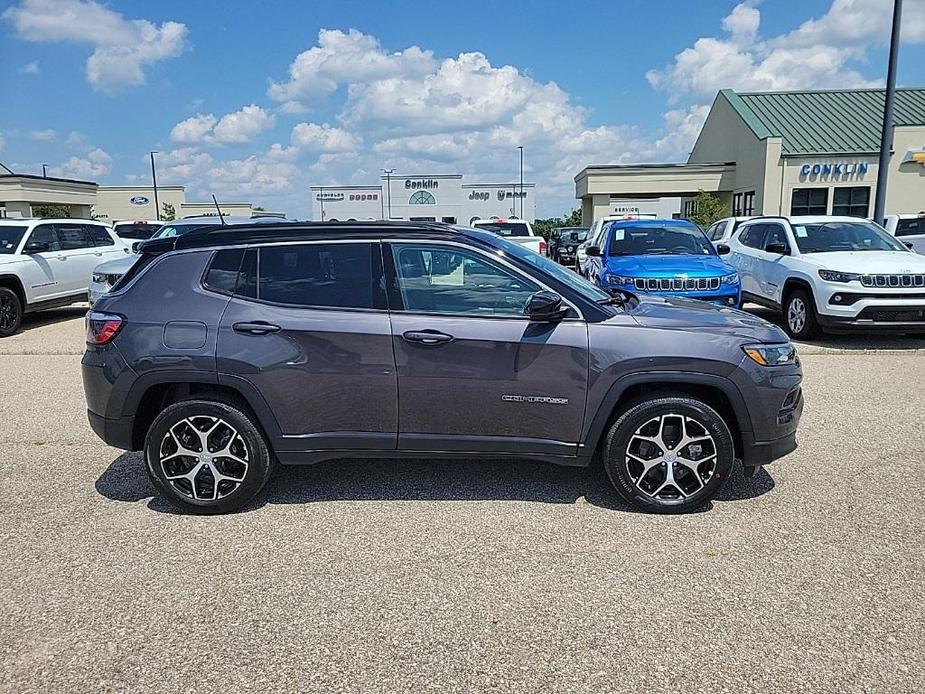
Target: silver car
[(105, 275)]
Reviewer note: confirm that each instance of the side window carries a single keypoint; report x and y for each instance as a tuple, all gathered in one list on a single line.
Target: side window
[(441, 279), (331, 275), (716, 231), (222, 275), (46, 233), (752, 236), (775, 234), (910, 227), (73, 237), (100, 235)]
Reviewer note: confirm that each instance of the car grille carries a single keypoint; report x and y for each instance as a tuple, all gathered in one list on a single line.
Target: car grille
[(898, 315), (677, 284), (893, 280), (111, 279)]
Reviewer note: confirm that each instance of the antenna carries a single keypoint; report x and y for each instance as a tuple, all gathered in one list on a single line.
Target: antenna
[(220, 215)]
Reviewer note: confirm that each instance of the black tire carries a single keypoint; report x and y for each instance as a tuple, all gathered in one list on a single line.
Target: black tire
[(201, 411), (693, 487), (798, 303), (10, 312)]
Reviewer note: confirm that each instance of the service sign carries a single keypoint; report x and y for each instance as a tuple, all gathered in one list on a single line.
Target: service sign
[(139, 200)]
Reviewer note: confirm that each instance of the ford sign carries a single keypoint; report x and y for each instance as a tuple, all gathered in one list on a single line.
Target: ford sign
[(139, 200)]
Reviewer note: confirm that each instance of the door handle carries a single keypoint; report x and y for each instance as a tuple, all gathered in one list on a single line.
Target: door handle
[(256, 328), (62, 257), (427, 337)]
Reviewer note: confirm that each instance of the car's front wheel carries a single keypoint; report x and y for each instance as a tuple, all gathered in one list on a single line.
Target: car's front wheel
[(207, 456), (10, 312), (800, 320), (669, 454)]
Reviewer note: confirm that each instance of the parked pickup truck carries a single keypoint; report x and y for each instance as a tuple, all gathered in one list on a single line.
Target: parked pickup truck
[(516, 230), (908, 228)]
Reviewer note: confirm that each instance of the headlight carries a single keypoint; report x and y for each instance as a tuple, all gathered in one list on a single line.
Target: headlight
[(99, 278), (830, 276), (772, 355), (617, 279), (731, 279)]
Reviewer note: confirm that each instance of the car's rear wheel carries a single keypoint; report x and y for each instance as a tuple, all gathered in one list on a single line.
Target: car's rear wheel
[(207, 456), (800, 320), (10, 312), (669, 454)]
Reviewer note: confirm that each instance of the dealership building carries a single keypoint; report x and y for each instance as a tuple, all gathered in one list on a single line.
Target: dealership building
[(781, 153), (424, 198)]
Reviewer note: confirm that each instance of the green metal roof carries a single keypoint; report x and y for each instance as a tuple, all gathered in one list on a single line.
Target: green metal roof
[(825, 122)]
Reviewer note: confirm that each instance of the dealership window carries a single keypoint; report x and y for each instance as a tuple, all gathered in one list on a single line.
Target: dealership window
[(809, 201), (743, 204), (422, 197), (851, 202)]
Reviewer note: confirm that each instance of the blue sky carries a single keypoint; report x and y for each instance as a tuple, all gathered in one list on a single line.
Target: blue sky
[(257, 103)]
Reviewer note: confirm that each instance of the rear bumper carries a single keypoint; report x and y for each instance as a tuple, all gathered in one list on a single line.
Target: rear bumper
[(115, 432)]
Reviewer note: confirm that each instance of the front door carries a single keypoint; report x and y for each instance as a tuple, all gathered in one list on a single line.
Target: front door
[(311, 333), (41, 271), (474, 374)]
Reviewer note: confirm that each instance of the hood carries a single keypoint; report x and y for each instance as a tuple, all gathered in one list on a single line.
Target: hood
[(119, 266), (669, 265), (868, 262), (689, 314)]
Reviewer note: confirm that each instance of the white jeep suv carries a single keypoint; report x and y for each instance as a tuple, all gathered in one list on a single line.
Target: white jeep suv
[(44, 263), (830, 273)]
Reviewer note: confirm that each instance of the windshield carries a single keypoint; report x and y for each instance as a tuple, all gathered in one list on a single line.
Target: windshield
[(504, 228), (844, 236), (133, 230), (573, 235), (551, 267), (659, 240), (10, 237), (169, 230)]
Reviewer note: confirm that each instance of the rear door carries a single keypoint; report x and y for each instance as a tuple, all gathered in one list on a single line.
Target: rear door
[(771, 268), (745, 248), (310, 332), (474, 374), (106, 245), (79, 257)]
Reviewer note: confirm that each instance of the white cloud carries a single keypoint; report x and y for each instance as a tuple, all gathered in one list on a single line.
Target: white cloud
[(340, 58), (42, 135), (122, 48), (96, 164), (251, 176), (183, 165), (820, 53), (239, 126), (30, 68), (322, 137)]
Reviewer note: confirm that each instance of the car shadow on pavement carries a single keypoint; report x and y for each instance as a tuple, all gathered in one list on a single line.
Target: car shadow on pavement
[(422, 480), (40, 319), (847, 341)]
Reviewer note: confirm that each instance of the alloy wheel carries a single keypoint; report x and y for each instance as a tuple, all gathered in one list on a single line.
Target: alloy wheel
[(796, 315), (204, 458), (671, 457), (9, 312)]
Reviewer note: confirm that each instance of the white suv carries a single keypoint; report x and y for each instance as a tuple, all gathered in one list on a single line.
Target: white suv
[(722, 230), (44, 263), (830, 273)]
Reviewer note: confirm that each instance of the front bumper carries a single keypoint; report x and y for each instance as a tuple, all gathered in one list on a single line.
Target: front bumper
[(96, 290), (852, 307), (731, 297)]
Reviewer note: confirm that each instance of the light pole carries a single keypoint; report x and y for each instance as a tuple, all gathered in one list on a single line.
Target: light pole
[(886, 135), (157, 207), (388, 186), (521, 148), (44, 174)]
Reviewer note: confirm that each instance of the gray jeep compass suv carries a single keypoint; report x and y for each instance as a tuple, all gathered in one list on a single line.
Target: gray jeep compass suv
[(227, 350)]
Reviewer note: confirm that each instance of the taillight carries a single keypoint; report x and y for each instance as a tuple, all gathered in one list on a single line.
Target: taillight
[(102, 327), (543, 248)]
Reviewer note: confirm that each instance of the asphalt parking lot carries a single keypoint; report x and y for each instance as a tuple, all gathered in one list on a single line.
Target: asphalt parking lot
[(475, 576)]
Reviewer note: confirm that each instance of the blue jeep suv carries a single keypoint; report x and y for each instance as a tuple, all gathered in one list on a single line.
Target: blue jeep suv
[(664, 256)]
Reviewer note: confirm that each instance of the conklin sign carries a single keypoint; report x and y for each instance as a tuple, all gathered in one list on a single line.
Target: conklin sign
[(851, 168)]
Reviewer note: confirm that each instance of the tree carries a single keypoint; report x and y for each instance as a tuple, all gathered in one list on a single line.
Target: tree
[(168, 212), (51, 211), (574, 218), (708, 208), (258, 208)]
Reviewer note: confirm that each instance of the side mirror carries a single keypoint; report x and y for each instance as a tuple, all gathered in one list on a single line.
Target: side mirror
[(545, 307), (909, 245), (593, 251), (135, 246), (777, 247), (722, 248), (36, 247)]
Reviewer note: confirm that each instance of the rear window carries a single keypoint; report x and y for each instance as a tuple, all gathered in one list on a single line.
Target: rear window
[(335, 275), (136, 231), (10, 237), (100, 235), (504, 228), (910, 227), (222, 275)]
